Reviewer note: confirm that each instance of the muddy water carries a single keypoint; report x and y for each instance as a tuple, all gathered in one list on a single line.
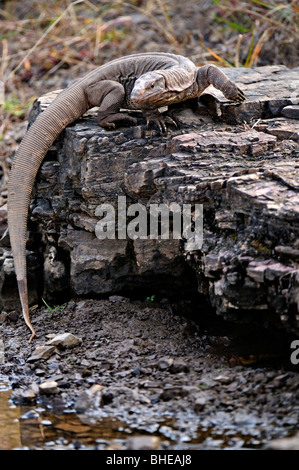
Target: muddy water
[(27, 426), (10, 435)]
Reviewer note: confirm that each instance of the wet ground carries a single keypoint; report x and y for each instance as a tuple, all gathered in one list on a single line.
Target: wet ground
[(143, 375)]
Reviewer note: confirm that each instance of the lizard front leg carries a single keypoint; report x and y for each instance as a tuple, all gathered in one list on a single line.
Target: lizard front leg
[(212, 75), (109, 97)]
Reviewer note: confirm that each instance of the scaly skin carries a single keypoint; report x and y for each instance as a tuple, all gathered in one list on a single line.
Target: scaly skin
[(140, 81)]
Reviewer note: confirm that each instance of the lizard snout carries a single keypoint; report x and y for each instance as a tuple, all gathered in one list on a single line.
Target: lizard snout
[(137, 94)]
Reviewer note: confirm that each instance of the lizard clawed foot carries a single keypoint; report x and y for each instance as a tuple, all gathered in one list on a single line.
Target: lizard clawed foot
[(171, 121), (239, 97), (161, 122)]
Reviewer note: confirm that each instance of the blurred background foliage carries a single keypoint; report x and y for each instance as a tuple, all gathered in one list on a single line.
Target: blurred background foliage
[(47, 43)]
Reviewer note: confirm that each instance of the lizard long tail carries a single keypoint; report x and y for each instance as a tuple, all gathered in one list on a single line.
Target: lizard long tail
[(66, 108)]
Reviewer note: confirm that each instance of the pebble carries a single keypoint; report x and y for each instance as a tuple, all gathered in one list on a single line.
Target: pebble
[(199, 404), (13, 316), (48, 388), (1, 351), (89, 398), (46, 422), (179, 365), (31, 414), (165, 363), (291, 111), (29, 395), (65, 341), (223, 379), (287, 443), (42, 352), (117, 298), (3, 317), (143, 443)]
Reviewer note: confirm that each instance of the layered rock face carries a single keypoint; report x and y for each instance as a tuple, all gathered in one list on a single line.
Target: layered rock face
[(234, 165)]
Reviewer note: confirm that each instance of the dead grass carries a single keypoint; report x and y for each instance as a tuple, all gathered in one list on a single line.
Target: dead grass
[(44, 44)]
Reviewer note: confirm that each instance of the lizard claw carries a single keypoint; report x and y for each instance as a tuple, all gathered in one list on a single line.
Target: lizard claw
[(160, 122), (171, 121), (239, 97)]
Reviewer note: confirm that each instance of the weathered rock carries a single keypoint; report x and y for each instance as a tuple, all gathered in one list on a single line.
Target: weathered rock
[(245, 177), (280, 127), (269, 89)]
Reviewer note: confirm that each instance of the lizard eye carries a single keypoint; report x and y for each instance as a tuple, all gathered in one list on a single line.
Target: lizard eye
[(152, 85)]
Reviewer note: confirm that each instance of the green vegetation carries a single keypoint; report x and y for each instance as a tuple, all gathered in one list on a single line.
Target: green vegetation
[(58, 308)]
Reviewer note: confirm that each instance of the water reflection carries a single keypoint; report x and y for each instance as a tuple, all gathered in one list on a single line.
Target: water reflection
[(10, 435), (67, 428)]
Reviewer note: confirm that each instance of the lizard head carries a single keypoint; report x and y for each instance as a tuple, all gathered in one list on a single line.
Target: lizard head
[(149, 88)]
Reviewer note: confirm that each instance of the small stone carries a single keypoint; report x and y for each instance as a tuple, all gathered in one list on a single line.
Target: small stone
[(199, 404), (46, 422), (286, 443), (291, 111), (48, 388), (31, 414), (117, 298), (96, 388), (224, 379), (91, 398), (179, 365), (171, 392), (65, 341), (1, 351), (13, 316), (28, 395), (42, 352), (165, 363), (3, 317), (83, 402), (143, 443)]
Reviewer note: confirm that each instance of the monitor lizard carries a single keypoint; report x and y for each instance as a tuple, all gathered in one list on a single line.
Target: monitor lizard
[(145, 81)]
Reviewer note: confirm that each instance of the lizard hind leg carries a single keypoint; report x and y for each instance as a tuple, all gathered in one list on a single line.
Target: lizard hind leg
[(108, 95)]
